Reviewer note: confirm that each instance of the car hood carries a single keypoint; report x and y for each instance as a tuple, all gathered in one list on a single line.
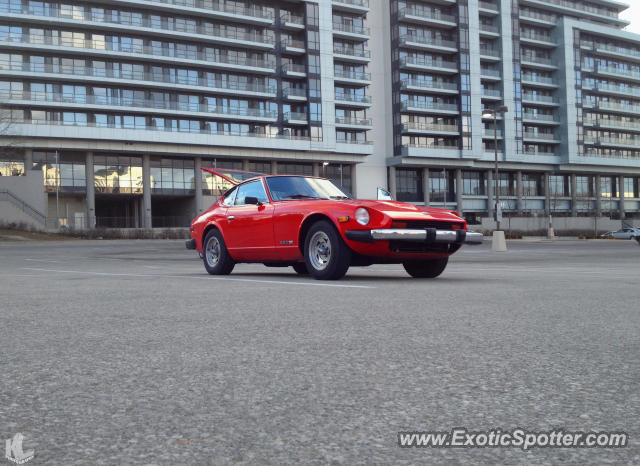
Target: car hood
[(404, 211)]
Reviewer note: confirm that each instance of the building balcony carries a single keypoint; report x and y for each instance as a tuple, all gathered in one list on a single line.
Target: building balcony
[(351, 54), (544, 100), (295, 118), (430, 16), (488, 53), (412, 127), (536, 152), (86, 102), (489, 74), (294, 93), (351, 77), (353, 123), (615, 124), (294, 70), (292, 46), (491, 94), (438, 66), (618, 52), (618, 107), (428, 43), (140, 79), (541, 119), (615, 90), (291, 21), (352, 6), (535, 38), (538, 62), (352, 100), (140, 52), (577, 9), (488, 7), (430, 150), (489, 30), (429, 107), (423, 85), (537, 17), (627, 74), (350, 31), (547, 138), (631, 143), (489, 134), (538, 81)]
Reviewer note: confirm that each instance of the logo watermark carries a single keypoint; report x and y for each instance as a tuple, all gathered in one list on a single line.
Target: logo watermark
[(13, 450)]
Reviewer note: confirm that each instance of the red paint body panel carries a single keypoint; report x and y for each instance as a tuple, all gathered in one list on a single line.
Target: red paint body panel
[(271, 232)]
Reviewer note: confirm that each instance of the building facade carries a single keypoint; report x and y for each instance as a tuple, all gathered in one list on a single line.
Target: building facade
[(120, 105)]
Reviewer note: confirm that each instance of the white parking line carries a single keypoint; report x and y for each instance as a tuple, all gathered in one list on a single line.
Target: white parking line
[(233, 279)]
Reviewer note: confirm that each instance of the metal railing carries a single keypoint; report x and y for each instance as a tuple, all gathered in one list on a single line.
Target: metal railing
[(428, 40), (618, 89), (635, 74), (491, 93), (138, 76), (489, 51), (351, 28), (539, 136), (490, 72), (433, 145), (427, 105), (294, 92), (295, 116), (488, 5), (253, 11), (549, 99), (428, 62), (358, 75), (363, 99), (428, 13), (7, 195), (425, 84), (354, 141), (533, 35), (528, 13), (584, 7), (138, 48), (288, 17), (293, 68), (412, 125), (362, 3), (351, 51), (294, 43), (353, 121), (537, 79), (537, 60), (539, 117)]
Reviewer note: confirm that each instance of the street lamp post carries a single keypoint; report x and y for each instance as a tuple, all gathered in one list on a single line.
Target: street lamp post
[(489, 113)]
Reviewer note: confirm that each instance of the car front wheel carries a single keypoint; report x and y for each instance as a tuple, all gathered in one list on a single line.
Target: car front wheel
[(427, 268), (326, 256), (217, 260), (300, 268)]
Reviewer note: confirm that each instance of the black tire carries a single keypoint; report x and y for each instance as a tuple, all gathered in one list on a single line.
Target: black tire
[(426, 269), (323, 263), (300, 268), (222, 264)]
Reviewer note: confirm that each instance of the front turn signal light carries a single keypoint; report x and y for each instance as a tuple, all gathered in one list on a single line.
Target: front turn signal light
[(343, 219)]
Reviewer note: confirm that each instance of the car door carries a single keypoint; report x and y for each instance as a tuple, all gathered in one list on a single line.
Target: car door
[(248, 230)]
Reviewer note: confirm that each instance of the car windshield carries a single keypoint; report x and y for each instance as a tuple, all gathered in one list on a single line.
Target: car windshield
[(287, 188)]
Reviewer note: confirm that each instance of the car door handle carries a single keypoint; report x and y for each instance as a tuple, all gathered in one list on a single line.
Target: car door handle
[(231, 217)]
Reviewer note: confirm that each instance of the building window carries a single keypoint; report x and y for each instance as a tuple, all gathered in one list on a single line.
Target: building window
[(214, 185), (584, 186), (260, 167), (630, 187), (409, 185), (64, 173), (118, 174), (172, 176), (531, 184), (339, 174), (558, 186), (305, 169), (473, 183), (441, 186), (11, 165)]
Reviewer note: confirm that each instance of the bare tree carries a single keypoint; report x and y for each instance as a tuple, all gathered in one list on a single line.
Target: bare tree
[(8, 143)]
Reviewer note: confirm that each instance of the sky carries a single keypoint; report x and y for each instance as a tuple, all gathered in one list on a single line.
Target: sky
[(633, 15)]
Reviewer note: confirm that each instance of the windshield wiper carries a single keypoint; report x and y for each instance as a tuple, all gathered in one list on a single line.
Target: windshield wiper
[(302, 196), (339, 198)]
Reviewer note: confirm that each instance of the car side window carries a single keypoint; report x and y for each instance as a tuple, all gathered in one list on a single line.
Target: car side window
[(230, 197), (251, 189)]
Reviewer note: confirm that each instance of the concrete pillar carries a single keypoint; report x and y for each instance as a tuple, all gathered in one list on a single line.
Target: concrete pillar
[(621, 192), (519, 193), (459, 190), (316, 169), (490, 192), (274, 167), (598, 195), (574, 196), (392, 182), (354, 189), (245, 165), (426, 186), (146, 191), (547, 194), (28, 159), (91, 191), (197, 185)]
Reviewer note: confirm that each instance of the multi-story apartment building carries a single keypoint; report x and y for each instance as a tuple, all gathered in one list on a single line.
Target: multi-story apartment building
[(120, 104)]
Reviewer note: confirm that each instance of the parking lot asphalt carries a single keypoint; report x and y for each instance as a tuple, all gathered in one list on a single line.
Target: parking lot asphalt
[(127, 352)]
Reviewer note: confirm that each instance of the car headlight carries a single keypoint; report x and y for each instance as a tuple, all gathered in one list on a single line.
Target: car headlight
[(362, 216)]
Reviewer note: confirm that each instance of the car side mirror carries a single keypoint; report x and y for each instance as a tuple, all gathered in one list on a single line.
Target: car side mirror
[(384, 195), (252, 200)]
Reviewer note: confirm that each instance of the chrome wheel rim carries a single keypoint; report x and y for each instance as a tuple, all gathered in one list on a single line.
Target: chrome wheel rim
[(320, 250), (212, 251)]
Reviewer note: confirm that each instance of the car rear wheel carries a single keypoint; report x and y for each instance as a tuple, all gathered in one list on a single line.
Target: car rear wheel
[(426, 269), (217, 260), (300, 268), (326, 256)]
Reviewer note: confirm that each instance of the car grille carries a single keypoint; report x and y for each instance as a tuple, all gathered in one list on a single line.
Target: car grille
[(412, 246), (423, 224)]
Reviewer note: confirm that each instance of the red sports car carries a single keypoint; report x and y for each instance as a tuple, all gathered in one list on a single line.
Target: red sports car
[(318, 229)]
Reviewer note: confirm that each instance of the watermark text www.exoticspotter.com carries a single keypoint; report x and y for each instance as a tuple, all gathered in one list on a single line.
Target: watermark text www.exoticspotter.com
[(460, 437)]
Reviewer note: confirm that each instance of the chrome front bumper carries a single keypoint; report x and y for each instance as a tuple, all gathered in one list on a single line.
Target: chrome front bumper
[(428, 235)]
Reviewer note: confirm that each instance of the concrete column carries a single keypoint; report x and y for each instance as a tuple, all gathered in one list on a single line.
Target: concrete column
[(316, 169), (490, 193), (146, 191), (574, 197), (519, 193), (28, 159), (274, 167), (245, 165), (426, 186), (354, 189), (598, 195), (392, 182), (91, 190), (547, 194), (621, 192), (197, 185), (459, 190)]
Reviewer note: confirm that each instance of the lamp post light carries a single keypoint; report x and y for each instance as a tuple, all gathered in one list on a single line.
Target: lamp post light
[(498, 235)]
